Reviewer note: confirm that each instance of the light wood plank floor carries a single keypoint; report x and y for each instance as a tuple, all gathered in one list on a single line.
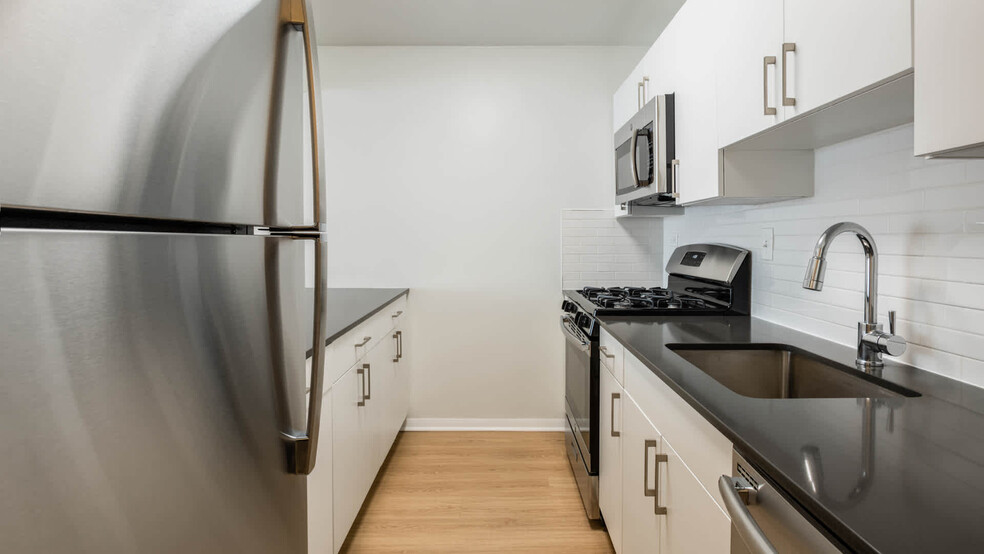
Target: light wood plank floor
[(476, 492)]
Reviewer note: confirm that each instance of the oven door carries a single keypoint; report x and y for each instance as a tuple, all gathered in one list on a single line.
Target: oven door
[(579, 389)]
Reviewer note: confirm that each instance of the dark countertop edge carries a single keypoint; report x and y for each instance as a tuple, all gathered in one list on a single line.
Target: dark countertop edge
[(355, 323), (834, 528)]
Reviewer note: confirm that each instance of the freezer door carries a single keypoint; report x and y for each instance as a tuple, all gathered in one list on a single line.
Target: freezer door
[(180, 109), (146, 383)]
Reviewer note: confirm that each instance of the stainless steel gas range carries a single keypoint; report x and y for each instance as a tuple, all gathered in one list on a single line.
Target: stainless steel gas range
[(703, 279)]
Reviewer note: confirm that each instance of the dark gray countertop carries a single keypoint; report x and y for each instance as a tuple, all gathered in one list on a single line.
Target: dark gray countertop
[(925, 492), (347, 308)]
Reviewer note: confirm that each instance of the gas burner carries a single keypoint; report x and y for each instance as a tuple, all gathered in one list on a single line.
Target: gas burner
[(643, 299), (639, 302)]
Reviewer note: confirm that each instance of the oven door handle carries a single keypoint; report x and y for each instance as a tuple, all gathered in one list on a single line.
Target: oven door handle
[(565, 323)]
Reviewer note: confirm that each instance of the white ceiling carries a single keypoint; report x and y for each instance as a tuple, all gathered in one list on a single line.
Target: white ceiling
[(492, 22)]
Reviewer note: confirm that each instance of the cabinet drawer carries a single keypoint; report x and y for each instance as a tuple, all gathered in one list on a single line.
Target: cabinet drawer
[(705, 451), (351, 347), (613, 356)]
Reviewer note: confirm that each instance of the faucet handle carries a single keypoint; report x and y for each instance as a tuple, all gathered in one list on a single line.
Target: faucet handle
[(891, 321)]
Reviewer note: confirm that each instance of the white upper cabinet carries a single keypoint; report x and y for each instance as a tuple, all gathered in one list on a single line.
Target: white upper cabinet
[(949, 78), (842, 46), (746, 63), (684, 65), (628, 98)]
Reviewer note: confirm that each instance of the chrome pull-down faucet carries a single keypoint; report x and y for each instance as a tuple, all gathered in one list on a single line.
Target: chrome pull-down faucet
[(872, 340)]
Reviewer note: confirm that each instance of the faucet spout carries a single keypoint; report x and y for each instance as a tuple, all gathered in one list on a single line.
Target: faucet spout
[(872, 341), (817, 267)]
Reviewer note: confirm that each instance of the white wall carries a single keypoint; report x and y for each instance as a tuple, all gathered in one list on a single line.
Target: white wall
[(924, 216), (447, 171)]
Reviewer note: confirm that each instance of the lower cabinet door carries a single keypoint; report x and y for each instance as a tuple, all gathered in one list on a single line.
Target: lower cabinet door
[(641, 450), (693, 520), (351, 449), (319, 485), (610, 451)]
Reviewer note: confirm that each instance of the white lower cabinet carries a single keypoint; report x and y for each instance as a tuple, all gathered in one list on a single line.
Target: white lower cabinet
[(363, 409), (610, 452), (351, 445), (649, 496), (693, 521), (319, 484), (641, 445)]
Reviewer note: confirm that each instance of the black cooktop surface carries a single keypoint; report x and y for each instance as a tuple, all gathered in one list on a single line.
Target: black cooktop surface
[(639, 301)]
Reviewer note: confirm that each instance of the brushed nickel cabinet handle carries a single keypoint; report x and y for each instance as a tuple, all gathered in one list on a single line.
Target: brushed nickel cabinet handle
[(674, 187), (786, 48), (645, 91), (654, 492), (365, 341), (604, 350), (362, 372), (639, 95), (398, 337), (766, 62), (369, 380), (617, 396), (397, 314)]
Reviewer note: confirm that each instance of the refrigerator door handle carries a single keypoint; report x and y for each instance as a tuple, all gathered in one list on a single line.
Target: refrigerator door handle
[(302, 448), (298, 14)]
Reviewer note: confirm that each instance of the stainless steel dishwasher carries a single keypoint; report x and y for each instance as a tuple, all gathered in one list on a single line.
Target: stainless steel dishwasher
[(762, 521)]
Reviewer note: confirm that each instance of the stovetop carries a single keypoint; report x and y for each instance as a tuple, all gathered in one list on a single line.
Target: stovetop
[(639, 301)]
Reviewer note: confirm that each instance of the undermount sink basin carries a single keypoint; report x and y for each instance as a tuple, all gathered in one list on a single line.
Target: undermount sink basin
[(779, 371)]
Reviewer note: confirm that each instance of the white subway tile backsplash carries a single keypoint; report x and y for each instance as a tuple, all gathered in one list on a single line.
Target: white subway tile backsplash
[(924, 215), (601, 250)]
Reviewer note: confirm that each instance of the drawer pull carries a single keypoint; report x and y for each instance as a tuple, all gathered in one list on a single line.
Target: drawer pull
[(365, 341), (604, 351)]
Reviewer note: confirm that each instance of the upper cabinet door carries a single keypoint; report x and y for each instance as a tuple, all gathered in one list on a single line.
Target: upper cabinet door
[(746, 62), (949, 78), (842, 46), (685, 62), (628, 98)]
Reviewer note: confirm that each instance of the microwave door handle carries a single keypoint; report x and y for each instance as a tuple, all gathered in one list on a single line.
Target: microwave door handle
[(633, 142)]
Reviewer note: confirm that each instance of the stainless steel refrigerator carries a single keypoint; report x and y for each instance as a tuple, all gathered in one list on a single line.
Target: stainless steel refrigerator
[(161, 275)]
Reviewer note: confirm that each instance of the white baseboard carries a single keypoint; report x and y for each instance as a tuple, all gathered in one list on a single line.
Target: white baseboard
[(479, 424)]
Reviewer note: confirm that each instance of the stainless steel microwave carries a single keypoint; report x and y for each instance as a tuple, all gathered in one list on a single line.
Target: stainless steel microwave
[(645, 156)]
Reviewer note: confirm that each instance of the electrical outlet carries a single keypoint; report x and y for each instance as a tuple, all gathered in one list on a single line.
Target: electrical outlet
[(766, 242)]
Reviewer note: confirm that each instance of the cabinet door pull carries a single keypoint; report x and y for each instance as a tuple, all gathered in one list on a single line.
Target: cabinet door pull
[(654, 492), (365, 341), (645, 91), (617, 396), (604, 350), (766, 62), (397, 314), (369, 380), (674, 187), (362, 373), (398, 337), (786, 48)]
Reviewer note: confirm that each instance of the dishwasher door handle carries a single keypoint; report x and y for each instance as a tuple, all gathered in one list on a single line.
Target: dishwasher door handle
[(749, 531)]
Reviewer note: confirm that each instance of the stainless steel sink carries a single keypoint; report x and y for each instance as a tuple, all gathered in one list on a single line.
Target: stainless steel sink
[(779, 371)]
